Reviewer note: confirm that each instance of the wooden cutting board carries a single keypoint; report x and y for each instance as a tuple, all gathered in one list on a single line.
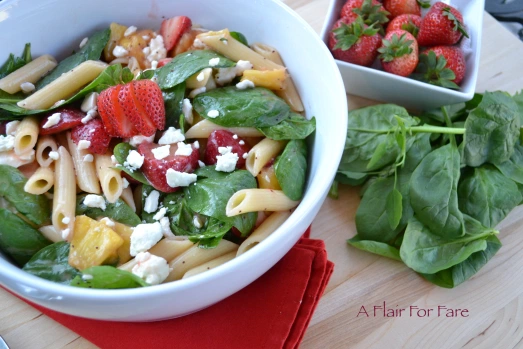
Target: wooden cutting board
[(493, 298)]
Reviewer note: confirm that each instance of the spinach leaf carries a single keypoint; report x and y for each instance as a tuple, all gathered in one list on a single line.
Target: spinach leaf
[(14, 63), (35, 207), (91, 51), (107, 277), (186, 64), (240, 37), (18, 239), (463, 271), (426, 252), (433, 192), (147, 217), (52, 263), (121, 151), (295, 127), (379, 248), (119, 211), (351, 178), (454, 111), (291, 168), (513, 167), (110, 76), (254, 107), (394, 208), (487, 195), (173, 99), (10, 98), (209, 196), (491, 130)]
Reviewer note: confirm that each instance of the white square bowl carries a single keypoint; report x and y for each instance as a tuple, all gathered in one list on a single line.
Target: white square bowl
[(379, 85)]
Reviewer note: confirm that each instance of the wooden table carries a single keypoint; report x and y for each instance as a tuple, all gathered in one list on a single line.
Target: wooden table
[(493, 298)]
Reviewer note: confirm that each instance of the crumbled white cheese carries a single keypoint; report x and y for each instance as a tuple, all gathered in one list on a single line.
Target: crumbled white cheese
[(199, 77), (7, 143), (88, 158), (135, 141), (197, 43), (107, 221), (10, 158), (160, 214), (201, 163), (58, 103), (152, 269), (11, 127), (213, 113), (66, 220), (197, 222), (146, 50), (52, 120), (196, 145), (27, 87), (125, 183), (154, 64), (197, 91), (242, 66), (134, 159), (119, 51), (245, 155), (234, 136), (113, 160), (225, 75), (87, 118), (89, 102), (179, 179), (94, 201), (87, 277), (213, 62), (241, 142), (65, 233), (157, 48), (166, 227), (227, 160), (161, 152), (54, 155), (183, 149), (145, 236), (151, 202), (171, 136), (130, 30), (245, 84), (83, 144), (146, 37), (83, 42), (187, 110)]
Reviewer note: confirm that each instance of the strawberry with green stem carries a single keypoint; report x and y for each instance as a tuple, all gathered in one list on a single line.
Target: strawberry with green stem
[(399, 53), (401, 7), (441, 66), (371, 11), (410, 23), (443, 25)]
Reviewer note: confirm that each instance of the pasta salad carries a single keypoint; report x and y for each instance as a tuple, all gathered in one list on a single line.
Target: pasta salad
[(146, 157)]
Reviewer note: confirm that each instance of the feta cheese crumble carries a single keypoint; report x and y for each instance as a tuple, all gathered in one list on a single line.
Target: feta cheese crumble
[(119, 51), (166, 227), (187, 110), (145, 236), (179, 179), (27, 87), (125, 183), (199, 77), (161, 152), (151, 202), (66, 220), (95, 201), (213, 62), (83, 144), (157, 48), (89, 102), (235, 136), (241, 142), (213, 113), (135, 141), (171, 136), (183, 149), (52, 120), (196, 145), (227, 160), (152, 269), (160, 214), (7, 143), (197, 222), (83, 42), (201, 163), (11, 127), (88, 158), (130, 31), (59, 103), (87, 277), (245, 155), (54, 155), (245, 84), (225, 75), (107, 221), (134, 160)]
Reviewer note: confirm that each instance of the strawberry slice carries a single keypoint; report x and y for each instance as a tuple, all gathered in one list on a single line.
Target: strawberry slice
[(148, 95), (223, 138), (93, 132), (69, 118), (172, 30), (134, 111), (155, 170), (112, 114), (163, 62)]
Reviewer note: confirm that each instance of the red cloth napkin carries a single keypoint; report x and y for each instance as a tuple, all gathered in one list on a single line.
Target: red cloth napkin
[(272, 312)]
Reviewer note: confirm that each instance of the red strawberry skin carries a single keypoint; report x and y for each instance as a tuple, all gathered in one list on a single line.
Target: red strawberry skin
[(403, 21), (172, 30), (133, 111), (437, 29), (350, 5), (163, 62), (455, 60), (401, 7), (224, 138), (404, 65), (93, 132), (69, 118), (155, 170), (112, 114), (149, 96)]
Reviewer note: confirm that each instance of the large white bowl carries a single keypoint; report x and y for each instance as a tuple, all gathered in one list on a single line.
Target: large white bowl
[(58, 26)]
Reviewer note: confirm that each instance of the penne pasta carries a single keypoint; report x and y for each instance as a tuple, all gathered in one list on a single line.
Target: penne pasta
[(31, 72), (271, 79), (40, 182), (204, 128), (110, 179), (65, 86), (199, 79), (196, 256), (252, 200), (64, 196), (261, 154), (44, 146), (210, 265), (26, 135), (86, 176), (128, 198), (50, 233), (265, 229)]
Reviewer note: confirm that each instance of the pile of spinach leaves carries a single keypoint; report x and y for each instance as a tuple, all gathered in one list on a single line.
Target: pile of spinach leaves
[(435, 186)]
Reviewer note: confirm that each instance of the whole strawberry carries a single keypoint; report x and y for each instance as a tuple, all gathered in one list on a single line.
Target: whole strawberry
[(443, 25), (371, 11), (399, 53), (354, 42), (442, 66), (410, 23), (401, 7)]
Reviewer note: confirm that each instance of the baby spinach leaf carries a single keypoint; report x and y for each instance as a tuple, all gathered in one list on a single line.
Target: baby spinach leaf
[(18, 239), (492, 130), (426, 252), (454, 111), (240, 37), (487, 195), (10, 98), (121, 151), (119, 211), (173, 100), (513, 167), (14, 63), (254, 107), (51, 263), (291, 168), (91, 51), (394, 208), (186, 64), (433, 192), (35, 207), (351, 178), (107, 277), (295, 127), (379, 248)]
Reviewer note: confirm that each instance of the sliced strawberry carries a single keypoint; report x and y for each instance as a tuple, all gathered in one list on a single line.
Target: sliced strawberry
[(69, 118), (149, 96), (93, 132), (163, 62), (134, 111), (112, 114), (155, 170), (223, 138), (173, 28)]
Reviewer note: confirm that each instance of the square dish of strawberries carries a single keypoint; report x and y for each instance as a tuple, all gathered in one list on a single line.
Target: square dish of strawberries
[(409, 52)]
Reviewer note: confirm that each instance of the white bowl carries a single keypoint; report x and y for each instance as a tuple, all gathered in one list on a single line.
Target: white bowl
[(58, 26), (382, 86)]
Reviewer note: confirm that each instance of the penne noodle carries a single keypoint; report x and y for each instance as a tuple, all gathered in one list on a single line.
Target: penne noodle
[(271, 79), (64, 196), (265, 229), (31, 72), (290, 93), (199, 79), (196, 256), (128, 198), (110, 179), (65, 86), (252, 200), (40, 182), (204, 128), (44, 146), (86, 176), (51, 234), (26, 135), (261, 154), (210, 265)]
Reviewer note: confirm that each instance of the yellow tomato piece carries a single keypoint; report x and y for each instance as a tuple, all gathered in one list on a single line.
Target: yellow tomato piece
[(124, 252), (267, 179), (271, 79), (135, 43), (117, 31)]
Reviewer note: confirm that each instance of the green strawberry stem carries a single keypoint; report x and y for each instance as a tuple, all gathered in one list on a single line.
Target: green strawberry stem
[(431, 69), (395, 47), (457, 24), (348, 34)]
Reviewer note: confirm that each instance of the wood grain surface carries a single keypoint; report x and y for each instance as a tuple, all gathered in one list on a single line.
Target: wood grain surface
[(493, 297)]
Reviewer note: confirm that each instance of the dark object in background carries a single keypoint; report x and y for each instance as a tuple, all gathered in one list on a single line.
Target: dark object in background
[(506, 12)]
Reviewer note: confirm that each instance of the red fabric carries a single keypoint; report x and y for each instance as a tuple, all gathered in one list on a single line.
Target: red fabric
[(272, 312)]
